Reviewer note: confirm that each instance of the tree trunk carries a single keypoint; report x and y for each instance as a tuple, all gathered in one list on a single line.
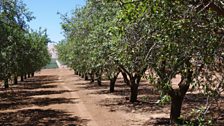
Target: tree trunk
[(6, 83), (112, 82), (21, 78), (99, 82), (29, 75), (134, 93), (25, 76), (86, 77), (15, 80), (82, 75), (134, 88), (92, 78), (76, 73), (32, 74), (125, 77), (178, 95), (176, 104), (99, 78)]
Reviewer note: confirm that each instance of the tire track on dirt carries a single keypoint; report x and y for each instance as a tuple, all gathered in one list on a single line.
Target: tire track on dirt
[(80, 106)]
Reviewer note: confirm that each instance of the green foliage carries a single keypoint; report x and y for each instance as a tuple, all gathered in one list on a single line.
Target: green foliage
[(86, 49), (170, 38), (200, 119), (164, 100), (21, 51)]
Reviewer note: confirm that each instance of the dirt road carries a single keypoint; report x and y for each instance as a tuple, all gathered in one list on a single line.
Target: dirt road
[(57, 97), (87, 103)]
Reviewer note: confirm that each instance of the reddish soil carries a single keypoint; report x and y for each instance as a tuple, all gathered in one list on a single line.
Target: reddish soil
[(57, 97)]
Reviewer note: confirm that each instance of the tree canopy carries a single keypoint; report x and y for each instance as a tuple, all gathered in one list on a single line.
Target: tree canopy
[(167, 38), (22, 51)]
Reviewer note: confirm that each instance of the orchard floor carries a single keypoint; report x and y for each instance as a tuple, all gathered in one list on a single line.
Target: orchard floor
[(57, 97)]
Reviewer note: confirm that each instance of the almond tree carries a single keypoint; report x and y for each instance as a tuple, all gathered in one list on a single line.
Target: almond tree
[(21, 52), (186, 39), (178, 38)]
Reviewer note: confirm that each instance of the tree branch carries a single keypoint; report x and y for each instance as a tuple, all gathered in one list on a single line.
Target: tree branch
[(123, 68), (207, 4)]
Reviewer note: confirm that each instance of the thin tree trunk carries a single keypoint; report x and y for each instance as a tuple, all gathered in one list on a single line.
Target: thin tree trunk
[(99, 80), (22, 79), (25, 76), (86, 77), (92, 78), (134, 88), (28, 75), (6, 83), (15, 80), (133, 81), (82, 75), (32, 74), (112, 82), (125, 77)]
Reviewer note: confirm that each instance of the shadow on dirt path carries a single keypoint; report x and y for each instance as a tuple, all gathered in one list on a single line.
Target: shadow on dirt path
[(39, 117), (30, 103), (158, 114)]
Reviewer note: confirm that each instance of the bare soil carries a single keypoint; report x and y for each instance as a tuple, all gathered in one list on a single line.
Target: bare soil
[(57, 97)]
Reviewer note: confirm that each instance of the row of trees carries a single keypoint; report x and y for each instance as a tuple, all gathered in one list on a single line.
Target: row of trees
[(22, 51), (165, 38)]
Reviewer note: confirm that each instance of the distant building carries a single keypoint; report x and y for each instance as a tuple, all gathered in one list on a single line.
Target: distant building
[(52, 50)]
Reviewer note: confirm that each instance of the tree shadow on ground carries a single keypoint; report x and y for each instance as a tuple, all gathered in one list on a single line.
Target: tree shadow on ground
[(147, 101), (19, 103), (149, 106), (45, 81), (121, 88), (126, 91), (157, 122), (39, 117), (16, 103), (26, 94)]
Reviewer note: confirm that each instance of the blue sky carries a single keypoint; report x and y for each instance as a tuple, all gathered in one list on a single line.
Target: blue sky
[(46, 15)]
